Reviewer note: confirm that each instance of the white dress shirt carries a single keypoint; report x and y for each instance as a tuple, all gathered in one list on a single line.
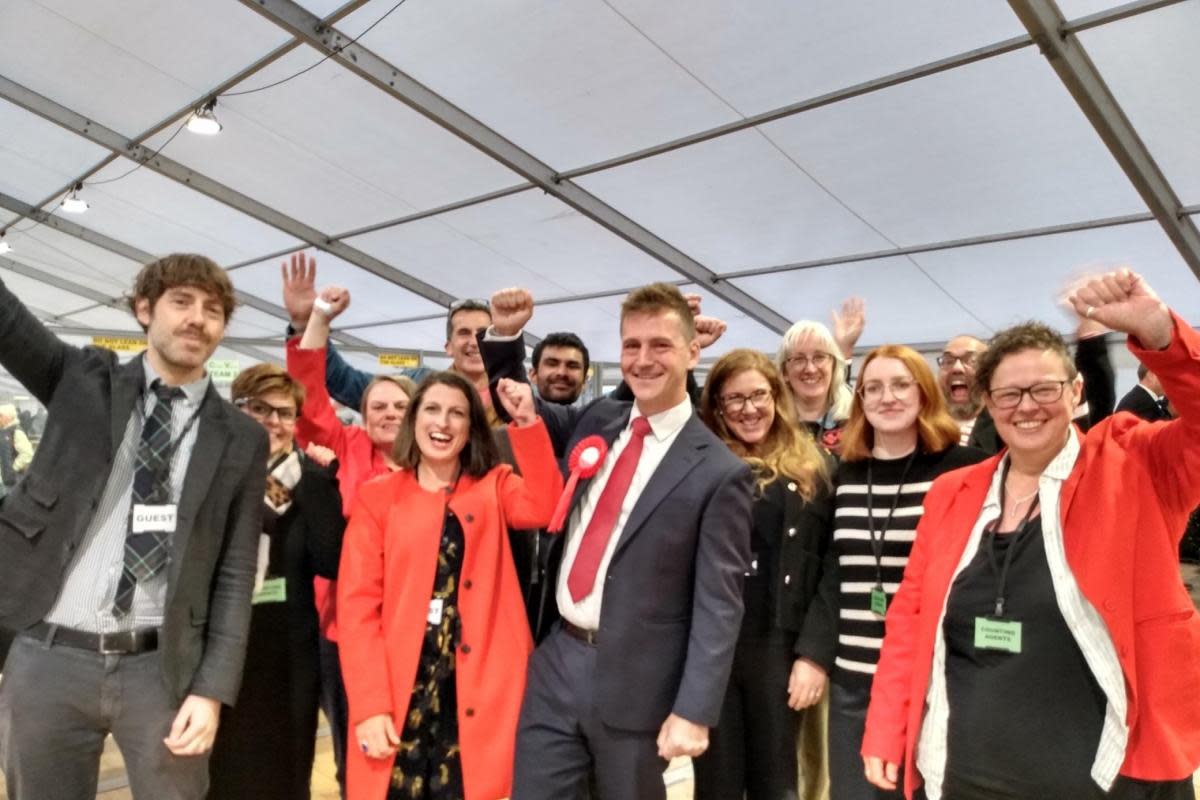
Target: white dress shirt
[(664, 428)]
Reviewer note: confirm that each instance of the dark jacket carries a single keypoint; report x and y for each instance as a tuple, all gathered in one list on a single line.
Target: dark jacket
[(90, 396), (672, 605)]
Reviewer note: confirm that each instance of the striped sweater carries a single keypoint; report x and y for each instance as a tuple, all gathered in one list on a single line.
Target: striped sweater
[(860, 631)]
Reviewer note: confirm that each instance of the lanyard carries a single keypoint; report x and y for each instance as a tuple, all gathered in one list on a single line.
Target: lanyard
[(1000, 573), (877, 545)]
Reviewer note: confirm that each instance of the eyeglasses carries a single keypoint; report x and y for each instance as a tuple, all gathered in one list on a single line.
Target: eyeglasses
[(736, 403), (872, 392), (947, 360), (819, 360), (262, 411), (1043, 394)]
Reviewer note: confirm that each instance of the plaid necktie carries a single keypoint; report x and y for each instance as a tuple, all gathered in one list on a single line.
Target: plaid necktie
[(146, 553)]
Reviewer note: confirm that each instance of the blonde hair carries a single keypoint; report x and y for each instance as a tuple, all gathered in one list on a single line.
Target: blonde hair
[(787, 450), (839, 397)]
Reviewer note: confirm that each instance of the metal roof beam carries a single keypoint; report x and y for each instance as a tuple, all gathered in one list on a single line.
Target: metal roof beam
[(94, 132), (390, 79), (138, 256), (1064, 51)]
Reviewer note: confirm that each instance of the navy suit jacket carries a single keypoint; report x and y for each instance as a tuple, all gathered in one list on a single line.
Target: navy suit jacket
[(673, 592)]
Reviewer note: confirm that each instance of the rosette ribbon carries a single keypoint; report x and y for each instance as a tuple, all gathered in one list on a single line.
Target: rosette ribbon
[(585, 461)]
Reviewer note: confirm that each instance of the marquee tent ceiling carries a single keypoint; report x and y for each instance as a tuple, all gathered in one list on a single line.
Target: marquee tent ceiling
[(951, 161)]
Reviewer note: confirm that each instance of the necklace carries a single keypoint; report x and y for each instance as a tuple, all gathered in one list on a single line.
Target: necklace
[(1019, 501)]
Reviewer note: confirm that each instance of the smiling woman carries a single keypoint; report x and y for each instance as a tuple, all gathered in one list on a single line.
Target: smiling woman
[(430, 613), (1070, 670)]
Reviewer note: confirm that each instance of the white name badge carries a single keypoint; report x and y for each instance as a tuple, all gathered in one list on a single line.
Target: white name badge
[(153, 519), (434, 617)]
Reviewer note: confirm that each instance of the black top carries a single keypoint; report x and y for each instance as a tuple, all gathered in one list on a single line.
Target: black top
[(1022, 725), (759, 593), (856, 565)]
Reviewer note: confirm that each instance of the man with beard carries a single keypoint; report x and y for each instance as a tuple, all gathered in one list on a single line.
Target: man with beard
[(127, 553), (956, 375), (560, 367)]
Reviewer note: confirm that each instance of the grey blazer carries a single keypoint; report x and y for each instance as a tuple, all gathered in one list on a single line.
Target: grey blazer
[(90, 395), (673, 598)]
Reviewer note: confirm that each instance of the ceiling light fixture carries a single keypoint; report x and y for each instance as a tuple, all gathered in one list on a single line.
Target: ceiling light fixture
[(4, 246), (203, 121), (72, 204)]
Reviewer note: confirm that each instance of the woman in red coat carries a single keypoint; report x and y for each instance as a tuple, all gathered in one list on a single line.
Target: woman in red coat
[(1042, 643), (434, 638)]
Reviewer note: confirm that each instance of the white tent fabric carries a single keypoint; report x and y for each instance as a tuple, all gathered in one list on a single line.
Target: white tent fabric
[(775, 156)]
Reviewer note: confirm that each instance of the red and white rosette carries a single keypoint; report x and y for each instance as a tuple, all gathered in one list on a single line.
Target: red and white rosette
[(585, 461)]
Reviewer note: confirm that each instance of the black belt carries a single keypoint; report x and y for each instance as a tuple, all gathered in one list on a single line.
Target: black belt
[(576, 632), (123, 643)]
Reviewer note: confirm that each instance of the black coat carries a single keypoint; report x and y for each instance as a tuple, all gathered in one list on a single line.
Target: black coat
[(264, 746)]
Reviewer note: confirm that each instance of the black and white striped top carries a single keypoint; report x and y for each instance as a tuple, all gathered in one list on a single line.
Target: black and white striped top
[(860, 631)]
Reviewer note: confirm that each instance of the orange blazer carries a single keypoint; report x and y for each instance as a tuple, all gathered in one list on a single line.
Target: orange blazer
[(389, 561), (1124, 509)]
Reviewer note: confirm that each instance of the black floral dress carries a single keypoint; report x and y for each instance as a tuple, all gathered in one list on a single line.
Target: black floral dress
[(427, 765)]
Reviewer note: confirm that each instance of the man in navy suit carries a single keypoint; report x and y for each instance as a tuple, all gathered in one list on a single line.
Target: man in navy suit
[(651, 581)]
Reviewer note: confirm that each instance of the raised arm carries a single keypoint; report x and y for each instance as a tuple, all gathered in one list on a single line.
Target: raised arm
[(1169, 347), (529, 498), (503, 352), (32, 354)]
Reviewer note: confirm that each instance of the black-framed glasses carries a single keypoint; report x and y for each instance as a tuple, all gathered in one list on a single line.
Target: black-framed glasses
[(736, 403), (946, 360), (819, 360), (872, 391), (1043, 393), (262, 411)]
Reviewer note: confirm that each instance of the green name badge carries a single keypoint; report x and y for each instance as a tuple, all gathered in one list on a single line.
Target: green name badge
[(997, 634), (878, 601), (274, 590)]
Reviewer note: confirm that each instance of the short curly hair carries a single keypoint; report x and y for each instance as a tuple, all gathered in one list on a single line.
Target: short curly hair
[(1031, 335), (182, 269)]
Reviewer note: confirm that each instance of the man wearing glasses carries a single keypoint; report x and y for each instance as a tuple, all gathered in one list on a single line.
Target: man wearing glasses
[(956, 374)]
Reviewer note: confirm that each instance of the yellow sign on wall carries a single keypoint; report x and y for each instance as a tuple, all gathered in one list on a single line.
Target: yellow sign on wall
[(400, 360), (120, 344)]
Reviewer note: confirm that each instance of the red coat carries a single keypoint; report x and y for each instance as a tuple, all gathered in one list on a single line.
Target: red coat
[(1123, 511), (358, 460), (389, 562)]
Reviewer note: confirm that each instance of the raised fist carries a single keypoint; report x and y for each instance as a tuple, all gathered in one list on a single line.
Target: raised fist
[(335, 301), (708, 330), (1123, 301), (511, 311), (517, 399)]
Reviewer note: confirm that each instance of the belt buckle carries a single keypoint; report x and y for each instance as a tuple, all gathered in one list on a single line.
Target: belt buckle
[(590, 637), (116, 643)]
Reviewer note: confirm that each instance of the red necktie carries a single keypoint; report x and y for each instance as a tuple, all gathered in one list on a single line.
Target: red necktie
[(608, 509)]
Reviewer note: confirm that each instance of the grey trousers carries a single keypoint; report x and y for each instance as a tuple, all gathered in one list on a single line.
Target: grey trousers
[(57, 704), (560, 737)]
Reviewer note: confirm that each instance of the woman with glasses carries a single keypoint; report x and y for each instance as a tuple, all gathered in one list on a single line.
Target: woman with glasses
[(752, 752), (815, 364), (363, 452), (898, 439), (264, 745), (1042, 643)]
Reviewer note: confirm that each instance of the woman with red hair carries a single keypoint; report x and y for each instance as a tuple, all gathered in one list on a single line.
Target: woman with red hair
[(899, 437)]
